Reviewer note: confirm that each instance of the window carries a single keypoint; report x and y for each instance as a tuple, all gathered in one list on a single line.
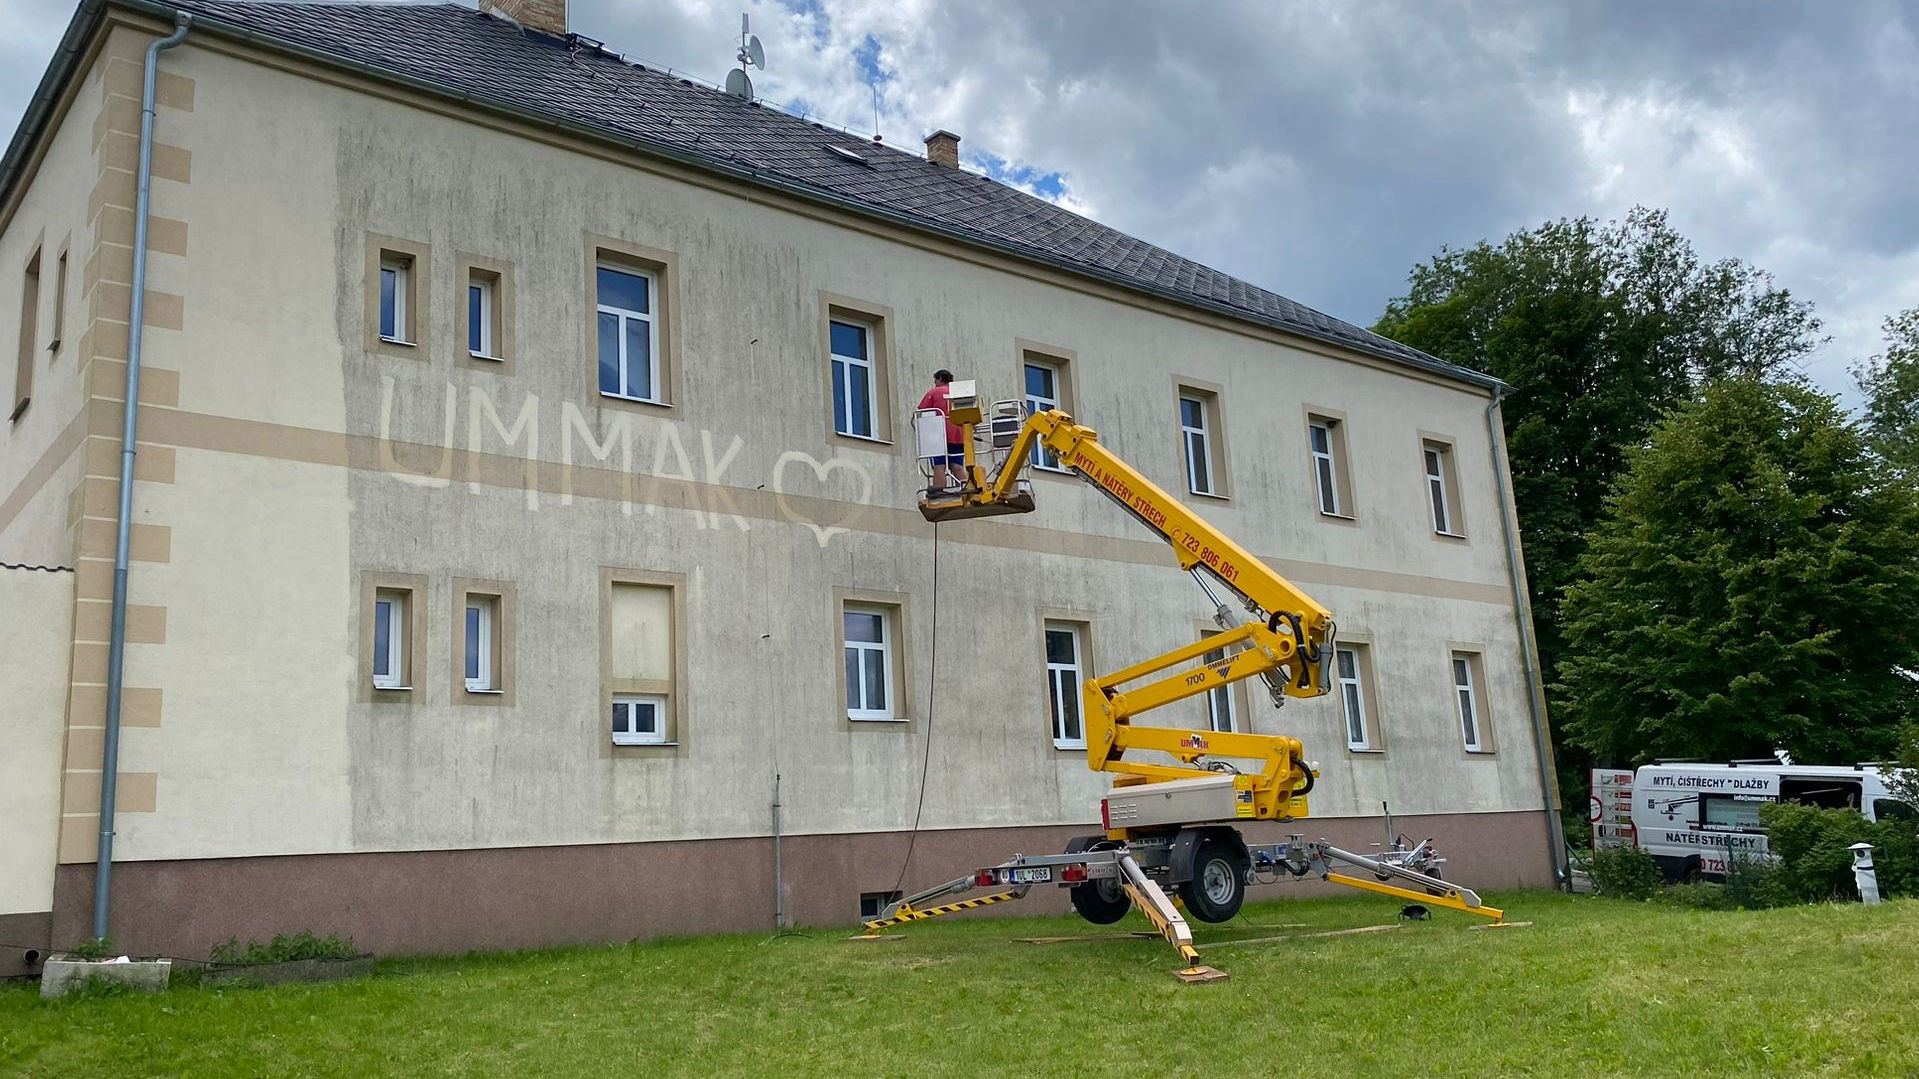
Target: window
[(1221, 713), (1822, 792), (1044, 392), (867, 634), (643, 627), (1727, 814), (1472, 719), (1893, 809), (482, 633), (1194, 440), (59, 302), (1441, 482), (873, 904), (482, 641), (29, 333), (398, 312), (856, 349), (392, 635), (482, 303), (1352, 698), (853, 378), (389, 639), (1326, 449), (639, 720), (629, 339), (1202, 438), (1064, 647), (396, 288)]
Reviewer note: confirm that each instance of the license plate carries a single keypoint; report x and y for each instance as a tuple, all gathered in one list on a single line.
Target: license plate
[(1033, 875)]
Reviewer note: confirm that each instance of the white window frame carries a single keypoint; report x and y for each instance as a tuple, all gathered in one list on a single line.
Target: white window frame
[(1439, 497), (843, 384), (1472, 718), (1319, 433), (1352, 700), (1187, 436), (1063, 682), (1037, 403), (402, 271), (489, 609), (396, 601), (632, 737), (1221, 697), (885, 650), (624, 315), (483, 348)]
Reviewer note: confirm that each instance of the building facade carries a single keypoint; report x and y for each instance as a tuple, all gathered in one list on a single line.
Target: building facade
[(518, 500)]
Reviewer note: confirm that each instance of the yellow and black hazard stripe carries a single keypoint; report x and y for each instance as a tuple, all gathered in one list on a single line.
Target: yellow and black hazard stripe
[(910, 914)]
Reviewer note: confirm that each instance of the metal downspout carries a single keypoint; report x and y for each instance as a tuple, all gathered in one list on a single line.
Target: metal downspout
[(1522, 609), (117, 635)]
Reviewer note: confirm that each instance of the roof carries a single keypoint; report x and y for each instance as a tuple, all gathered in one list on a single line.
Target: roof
[(492, 63)]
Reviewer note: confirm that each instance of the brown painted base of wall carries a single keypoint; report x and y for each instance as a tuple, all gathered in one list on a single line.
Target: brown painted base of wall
[(424, 902), (25, 940)]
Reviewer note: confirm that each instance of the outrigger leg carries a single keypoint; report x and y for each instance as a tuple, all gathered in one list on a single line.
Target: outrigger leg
[(1017, 875)]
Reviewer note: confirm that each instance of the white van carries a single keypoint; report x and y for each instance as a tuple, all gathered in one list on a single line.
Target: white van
[(1692, 817)]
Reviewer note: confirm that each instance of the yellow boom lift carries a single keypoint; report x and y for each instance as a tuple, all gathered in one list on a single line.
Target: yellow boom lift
[(1167, 825)]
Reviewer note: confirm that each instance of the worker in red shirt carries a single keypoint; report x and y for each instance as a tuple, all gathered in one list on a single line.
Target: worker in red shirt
[(947, 470)]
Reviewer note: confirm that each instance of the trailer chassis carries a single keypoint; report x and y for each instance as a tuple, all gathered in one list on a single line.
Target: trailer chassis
[(1138, 868)]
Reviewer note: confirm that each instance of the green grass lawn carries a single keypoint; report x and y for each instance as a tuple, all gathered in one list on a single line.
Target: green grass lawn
[(1594, 987)]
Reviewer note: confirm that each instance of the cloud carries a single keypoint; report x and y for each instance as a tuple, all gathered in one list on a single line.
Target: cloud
[(1321, 149)]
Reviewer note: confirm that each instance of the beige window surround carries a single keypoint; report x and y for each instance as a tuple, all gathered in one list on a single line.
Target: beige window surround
[(1242, 700), (29, 334), (1361, 644), (897, 608), (1338, 448), (59, 302), (663, 267), (413, 331), (501, 663), (1064, 363), (412, 587), (1446, 447), (877, 319), (1473, 655), (501, 318), (673, 689), (1082, 622), (1210, 397)]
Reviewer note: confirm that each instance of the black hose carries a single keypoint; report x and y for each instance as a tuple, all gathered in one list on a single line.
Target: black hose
[(1305, 679), (1307, 787)]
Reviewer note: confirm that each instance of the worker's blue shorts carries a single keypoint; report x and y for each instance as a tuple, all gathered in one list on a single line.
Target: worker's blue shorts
[(955, 455)]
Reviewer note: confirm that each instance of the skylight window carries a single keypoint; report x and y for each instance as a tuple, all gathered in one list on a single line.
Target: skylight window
[(848, 154)]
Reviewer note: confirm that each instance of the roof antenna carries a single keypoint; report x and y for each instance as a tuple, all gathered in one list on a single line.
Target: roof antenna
[(751, 54), (876, 112)]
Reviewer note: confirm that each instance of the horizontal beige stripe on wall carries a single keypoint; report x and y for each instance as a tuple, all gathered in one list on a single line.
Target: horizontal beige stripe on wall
[(718, 504)]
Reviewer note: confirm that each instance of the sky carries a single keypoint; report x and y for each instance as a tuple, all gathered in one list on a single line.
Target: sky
[(1322, 149)]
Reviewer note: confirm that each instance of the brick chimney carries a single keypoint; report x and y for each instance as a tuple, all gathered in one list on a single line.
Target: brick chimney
[(942, 148), (547, 15)]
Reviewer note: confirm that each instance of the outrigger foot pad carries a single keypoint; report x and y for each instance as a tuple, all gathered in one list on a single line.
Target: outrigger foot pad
[(1195, 974)]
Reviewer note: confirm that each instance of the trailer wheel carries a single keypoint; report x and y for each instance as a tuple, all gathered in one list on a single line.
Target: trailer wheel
[(1101, 902), (1218, 886)]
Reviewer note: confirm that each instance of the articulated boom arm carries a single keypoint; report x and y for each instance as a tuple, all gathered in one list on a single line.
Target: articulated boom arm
[(1288, 640)]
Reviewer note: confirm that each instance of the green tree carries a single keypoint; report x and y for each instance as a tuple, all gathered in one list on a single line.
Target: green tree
[(1890, 383), (1599, 328), (1752, 585)]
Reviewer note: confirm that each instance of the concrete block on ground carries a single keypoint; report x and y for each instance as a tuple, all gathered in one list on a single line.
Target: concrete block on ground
[(65, 973)]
